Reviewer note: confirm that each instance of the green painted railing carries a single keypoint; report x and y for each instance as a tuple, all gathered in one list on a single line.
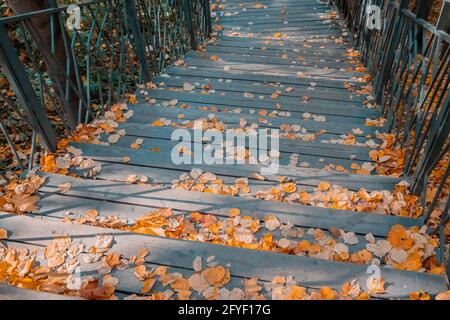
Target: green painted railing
[(409, 60), (70, 63)]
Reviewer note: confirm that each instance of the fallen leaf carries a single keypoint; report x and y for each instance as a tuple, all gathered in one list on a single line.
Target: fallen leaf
[(233, 212), (327, 293), (3, 234), (324, 186), (64, 187)]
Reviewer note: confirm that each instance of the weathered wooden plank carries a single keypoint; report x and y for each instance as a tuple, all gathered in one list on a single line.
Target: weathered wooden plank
[(316, 155), (302, 56), (309, 272), (269, 69), (296, 102), (164, 153), (291, 9), (271, 4), (235, 75), (297, 10), (252, 31), (313, 106), (145, 114), (313, 57), (281, 3), (256, 33), (305, 49), (304, 176), (307, 180), (322, 137), (164, 177), (264, 31), (151, 134), (325, 40), (274, 20), (274, 15), (55, 206), (334, 156), (283, 12), (156, 175), (272, 60), (249, 110), (263, 88), (157, 196), (162, 159), (128, 283), (63, 206), (274, 45), (326, 45), (307, 24)]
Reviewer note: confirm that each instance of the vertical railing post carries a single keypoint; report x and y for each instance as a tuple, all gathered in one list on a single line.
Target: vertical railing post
[(438, 135), (443, 23), (207, 13), (11, 145), (390, 52), (423, 10), (187, 8), (138, 39), (444, 20), (26, 95)]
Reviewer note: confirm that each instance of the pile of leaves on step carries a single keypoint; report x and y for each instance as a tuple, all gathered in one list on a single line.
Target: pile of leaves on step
[(57, 269)]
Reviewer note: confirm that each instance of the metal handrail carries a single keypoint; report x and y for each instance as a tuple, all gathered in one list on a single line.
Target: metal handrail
[(61, 8), (409, 60)]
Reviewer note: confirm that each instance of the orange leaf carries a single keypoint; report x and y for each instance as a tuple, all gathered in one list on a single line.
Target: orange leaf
[(148, 285), (289, 187), (327, 293), (157, 123), (324, 186), (233, 212)]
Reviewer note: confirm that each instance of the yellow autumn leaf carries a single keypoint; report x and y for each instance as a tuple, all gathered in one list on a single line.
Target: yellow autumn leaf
[(157, 123), (151, 231), (233, 212), (327, 293), (419, 296), (324, 186), (289, 187), (3, 234), (214, 57), (148, 285)]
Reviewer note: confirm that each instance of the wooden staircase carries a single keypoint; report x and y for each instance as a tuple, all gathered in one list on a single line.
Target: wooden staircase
[(294, 47)]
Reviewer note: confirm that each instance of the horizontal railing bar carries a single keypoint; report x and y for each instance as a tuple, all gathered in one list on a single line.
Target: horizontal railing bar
[(426, 25), (32, 14)]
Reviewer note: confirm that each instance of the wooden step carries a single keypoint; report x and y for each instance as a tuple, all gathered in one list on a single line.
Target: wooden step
[(162, 159), (309, 272), (317, 106), (189, 201)]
